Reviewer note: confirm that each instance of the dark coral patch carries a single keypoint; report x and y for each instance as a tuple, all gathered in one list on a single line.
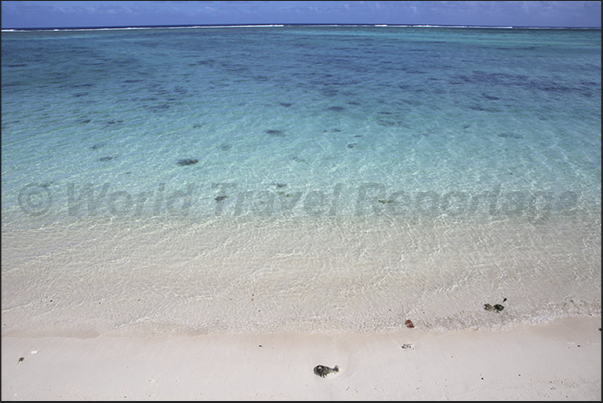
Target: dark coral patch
[(158, 108), (187, 161), (206, 62), (490, 97), (276, 133), (510, 135)]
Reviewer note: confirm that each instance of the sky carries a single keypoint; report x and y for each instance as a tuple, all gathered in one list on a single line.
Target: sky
[(57, 14)]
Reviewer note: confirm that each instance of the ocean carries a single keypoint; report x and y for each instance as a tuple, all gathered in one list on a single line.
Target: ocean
[(299, 178)]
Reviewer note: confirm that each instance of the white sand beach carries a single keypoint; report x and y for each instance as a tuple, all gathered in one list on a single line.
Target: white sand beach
[(556, 361), (82, 321)]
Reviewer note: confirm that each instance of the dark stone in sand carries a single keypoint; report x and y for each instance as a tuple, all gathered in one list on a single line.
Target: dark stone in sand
[(286, 104), (220, 198), (336, 108), (496, 307), (280, 185), (276, 133), (323, 370), (187, 161), (103, 159), (351, 145), (98, 146), (225, 147), (85, 121)]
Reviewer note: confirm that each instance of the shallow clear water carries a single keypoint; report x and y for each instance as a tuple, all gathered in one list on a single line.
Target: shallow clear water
[(344, 176)]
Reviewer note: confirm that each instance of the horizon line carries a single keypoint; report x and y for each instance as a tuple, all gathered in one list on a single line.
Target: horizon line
[(402, 25)]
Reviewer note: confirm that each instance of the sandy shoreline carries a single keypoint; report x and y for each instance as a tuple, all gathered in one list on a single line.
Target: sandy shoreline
[(90, 279), (560, 360)]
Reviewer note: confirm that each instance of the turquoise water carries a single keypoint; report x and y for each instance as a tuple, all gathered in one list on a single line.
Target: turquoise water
[(413, 109), (309, 126)]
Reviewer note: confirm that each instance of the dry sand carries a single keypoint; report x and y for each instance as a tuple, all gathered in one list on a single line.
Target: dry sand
[(560, 360)]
